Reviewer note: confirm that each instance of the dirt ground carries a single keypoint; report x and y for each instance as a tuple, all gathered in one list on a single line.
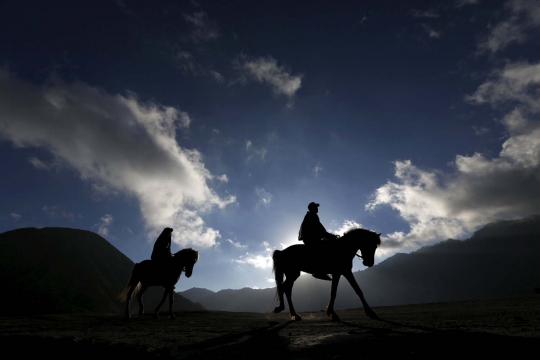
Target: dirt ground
[(487, 328)]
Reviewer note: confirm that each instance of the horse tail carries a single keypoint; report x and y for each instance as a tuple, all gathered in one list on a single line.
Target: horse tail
[(133, 283), (277, 269)]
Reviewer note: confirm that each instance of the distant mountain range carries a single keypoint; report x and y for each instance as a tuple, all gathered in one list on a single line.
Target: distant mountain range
[(63, 270), (501, 259)]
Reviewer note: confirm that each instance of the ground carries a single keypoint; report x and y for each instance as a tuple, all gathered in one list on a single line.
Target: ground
[(487, 328)]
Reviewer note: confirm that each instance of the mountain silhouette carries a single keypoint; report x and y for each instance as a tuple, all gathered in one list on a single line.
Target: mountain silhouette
[(64, 270), (501, 259)]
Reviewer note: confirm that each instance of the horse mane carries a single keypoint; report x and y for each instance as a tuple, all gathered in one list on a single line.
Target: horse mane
[(361, 232), (188, 253)]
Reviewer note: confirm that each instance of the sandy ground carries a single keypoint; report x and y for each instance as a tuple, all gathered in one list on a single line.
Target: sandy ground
[(487, 328)]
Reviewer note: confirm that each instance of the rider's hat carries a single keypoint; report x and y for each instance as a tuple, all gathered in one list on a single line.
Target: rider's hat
[(312, 205)]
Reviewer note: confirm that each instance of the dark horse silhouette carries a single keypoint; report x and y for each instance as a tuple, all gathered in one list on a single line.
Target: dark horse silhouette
[(327, 257), (151, 273)]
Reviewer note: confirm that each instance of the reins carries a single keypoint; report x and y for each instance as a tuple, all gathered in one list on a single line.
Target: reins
[(360, 256)]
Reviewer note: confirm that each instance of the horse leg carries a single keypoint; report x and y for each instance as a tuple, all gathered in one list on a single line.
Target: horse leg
[(171, 300), (330, 308), (281, 305), (370, 313), (139, 298), (128, 301), (156, 310), (287, 285)]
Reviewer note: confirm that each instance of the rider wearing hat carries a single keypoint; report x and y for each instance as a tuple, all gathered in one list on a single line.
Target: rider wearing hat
[(312, 232)]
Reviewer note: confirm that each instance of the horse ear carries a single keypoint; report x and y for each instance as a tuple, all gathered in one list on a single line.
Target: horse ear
[(379, 234)]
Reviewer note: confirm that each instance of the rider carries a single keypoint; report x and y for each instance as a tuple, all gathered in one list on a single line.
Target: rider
[(162, 247), (312, 232)]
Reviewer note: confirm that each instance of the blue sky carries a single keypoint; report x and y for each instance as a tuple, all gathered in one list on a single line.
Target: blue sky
[(223, 120)]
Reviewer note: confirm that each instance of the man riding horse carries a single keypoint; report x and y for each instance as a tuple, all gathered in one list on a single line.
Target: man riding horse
[(161, 253), (312, 232)]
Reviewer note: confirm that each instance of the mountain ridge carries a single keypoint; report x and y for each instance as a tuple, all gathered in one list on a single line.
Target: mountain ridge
[(65, 270), (500, 259)]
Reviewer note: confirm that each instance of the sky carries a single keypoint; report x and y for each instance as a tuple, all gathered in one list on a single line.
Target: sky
[(225, 119)]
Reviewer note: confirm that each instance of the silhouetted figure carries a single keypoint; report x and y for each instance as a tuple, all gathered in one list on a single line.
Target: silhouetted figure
[(333, 257), (162, 247), (312, 232), (149, 273)]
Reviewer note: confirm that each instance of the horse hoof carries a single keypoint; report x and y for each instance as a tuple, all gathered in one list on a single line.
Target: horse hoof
[(156, 315), (296, 317), (335, 317), (279, 309), (372, 315), (172, 317)]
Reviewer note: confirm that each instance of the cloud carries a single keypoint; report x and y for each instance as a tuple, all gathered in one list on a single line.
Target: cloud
[(480, 130), (265, 198), (431, 32), (424, 14), (55, 213), (524, 16), (461, 3), (119, 143), (439, 205), (217, 76), (236, 244), (346, 226), (262, 260), (202, 30), (254, 151), (185, 62), (103, 224), (15, 216), (317, 169), (265, 70)]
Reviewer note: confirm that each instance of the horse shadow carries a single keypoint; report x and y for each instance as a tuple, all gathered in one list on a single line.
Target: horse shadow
[(248, 344)]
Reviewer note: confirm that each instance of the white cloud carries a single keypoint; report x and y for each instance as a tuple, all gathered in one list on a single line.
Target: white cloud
[(480, 130), (524, 16), (424, 14), (223, 178), (15, 216), (254, 151), (346, 226), (119, 143), (265, 198), (440, 205), (185, 62), (217, 76), (461, 3), (103, 224), (317, 169), (271, 280), (236, 244), (266, 70), (431, 32), (202, 29), (262, 260), (55, 212)]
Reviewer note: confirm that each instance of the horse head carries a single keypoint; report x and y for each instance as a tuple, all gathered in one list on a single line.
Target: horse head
[(188, 258), (367, 242)]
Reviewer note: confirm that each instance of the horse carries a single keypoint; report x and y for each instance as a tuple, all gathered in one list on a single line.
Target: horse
[(333, 257), (151, 273)]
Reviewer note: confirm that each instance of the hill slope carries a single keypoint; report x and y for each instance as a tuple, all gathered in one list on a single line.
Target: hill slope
[(63, 270), (501, 259)]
